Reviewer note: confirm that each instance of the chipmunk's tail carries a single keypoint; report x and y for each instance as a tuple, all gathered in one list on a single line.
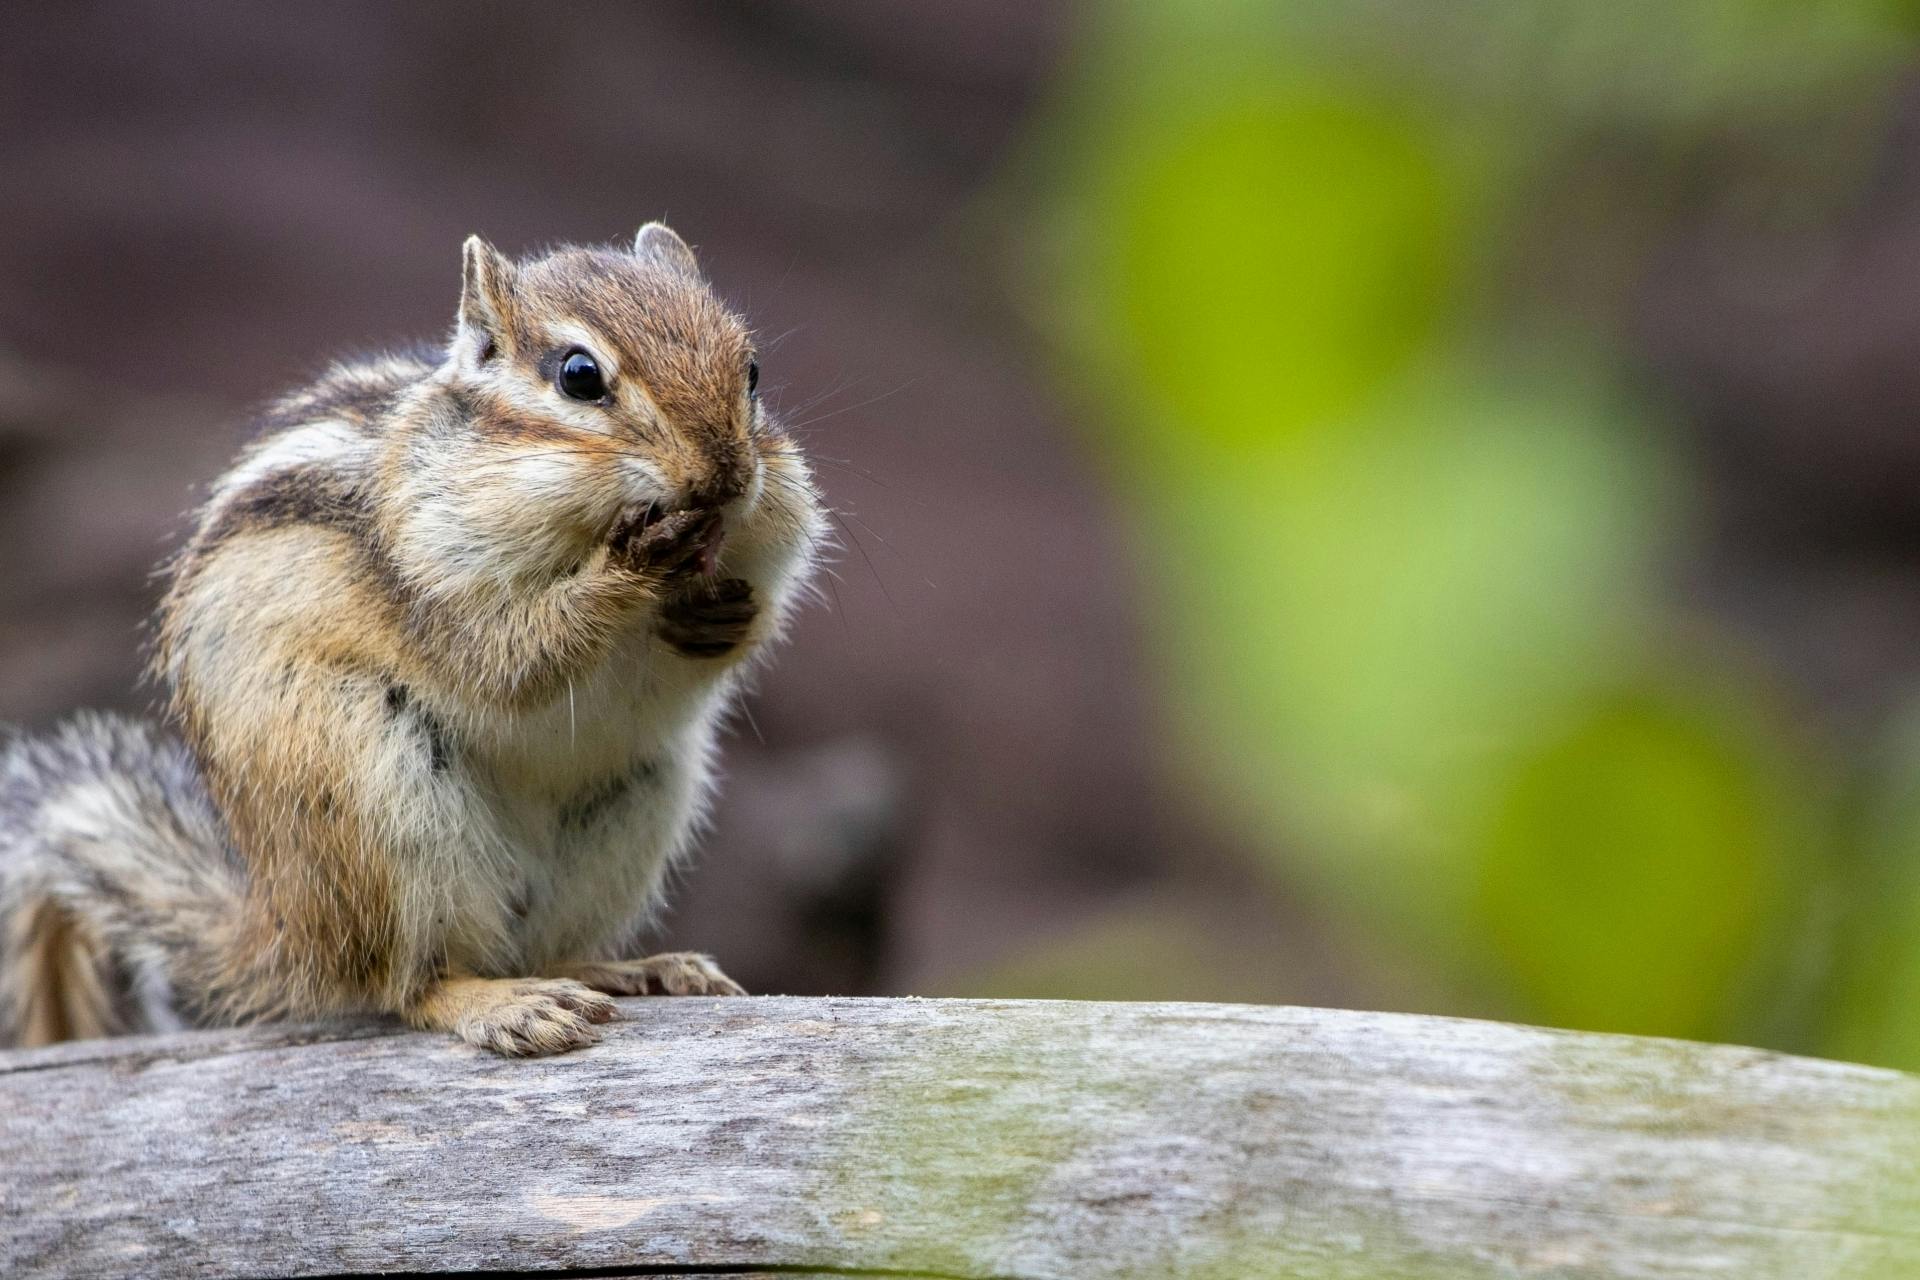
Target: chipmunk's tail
[(116, 880)]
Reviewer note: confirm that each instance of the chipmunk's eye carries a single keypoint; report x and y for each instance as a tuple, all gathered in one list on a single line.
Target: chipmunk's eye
[(579, 377), (753, 377)]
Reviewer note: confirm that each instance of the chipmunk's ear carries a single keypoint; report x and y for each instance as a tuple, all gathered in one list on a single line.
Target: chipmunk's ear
[(657, 242), (486, 297)]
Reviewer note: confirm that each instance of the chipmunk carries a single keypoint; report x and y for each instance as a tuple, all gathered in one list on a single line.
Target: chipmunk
[(445, 660)]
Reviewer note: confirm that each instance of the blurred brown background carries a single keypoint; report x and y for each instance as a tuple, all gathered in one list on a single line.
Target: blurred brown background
[(203, 203), (959, 764)]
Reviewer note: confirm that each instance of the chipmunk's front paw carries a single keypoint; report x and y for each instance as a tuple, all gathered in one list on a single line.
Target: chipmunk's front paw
[(672, 973), (520, 1017), (709, 619), (667, 545)]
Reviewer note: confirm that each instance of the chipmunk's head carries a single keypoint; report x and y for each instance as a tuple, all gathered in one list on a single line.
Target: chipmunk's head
[(594, 382)]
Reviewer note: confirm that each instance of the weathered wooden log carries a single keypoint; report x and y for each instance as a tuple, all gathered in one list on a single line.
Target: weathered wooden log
[(959, 1139)]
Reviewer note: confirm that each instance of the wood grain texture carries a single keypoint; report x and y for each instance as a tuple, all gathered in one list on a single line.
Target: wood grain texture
[(959, 1139)]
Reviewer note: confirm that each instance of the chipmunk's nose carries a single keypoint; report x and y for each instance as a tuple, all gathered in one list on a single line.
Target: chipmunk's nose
[(712, 495), (725, 480)]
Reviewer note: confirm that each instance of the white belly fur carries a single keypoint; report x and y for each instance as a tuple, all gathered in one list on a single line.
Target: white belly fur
[(592, 798), (576, 860)]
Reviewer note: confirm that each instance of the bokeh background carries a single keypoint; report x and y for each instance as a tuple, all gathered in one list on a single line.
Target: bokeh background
[(1391, 506)]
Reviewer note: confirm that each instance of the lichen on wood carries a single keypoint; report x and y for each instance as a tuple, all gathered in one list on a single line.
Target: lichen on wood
[(976, 1139)]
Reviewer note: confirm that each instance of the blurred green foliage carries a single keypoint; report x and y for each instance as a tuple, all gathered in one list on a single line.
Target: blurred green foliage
[(1875, 1010), (1342, 283), (1635, 859)]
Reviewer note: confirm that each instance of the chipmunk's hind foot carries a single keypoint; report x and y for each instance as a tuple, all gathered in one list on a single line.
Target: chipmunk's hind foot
[(515, 1017), (671, 973)]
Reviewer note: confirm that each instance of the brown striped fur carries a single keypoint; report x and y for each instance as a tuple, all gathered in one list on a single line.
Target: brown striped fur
[(59, 989)]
